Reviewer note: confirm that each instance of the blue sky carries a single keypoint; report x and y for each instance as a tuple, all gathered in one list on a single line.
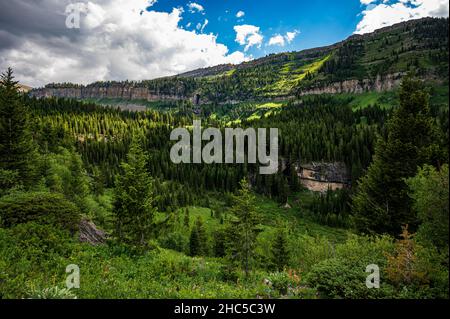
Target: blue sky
[(319, 22)]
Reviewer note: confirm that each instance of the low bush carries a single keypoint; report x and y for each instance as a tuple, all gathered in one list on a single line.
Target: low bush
[(40, 207)]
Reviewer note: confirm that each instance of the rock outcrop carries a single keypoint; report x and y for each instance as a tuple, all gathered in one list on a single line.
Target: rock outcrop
[(380, 84), (319, 177), (123, 92), (89, 233)]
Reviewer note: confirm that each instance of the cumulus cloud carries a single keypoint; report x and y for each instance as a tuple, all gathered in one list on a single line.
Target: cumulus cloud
[(290, 36), (195, 7), (117, 40), (248, 35), (380, 14), (281, 40), (277, 40), (240, 14)]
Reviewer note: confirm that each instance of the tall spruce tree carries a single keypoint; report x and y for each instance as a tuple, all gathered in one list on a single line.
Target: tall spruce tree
[(381, 203), (219, 237), (243, 229), (134, 198), (198, 241), (17, 149), (194, 243), (280, 251), (187, 218)]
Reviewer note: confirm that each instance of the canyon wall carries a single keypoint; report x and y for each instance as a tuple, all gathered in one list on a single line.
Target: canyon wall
[(129, 93), (379, 84), (123, 92)]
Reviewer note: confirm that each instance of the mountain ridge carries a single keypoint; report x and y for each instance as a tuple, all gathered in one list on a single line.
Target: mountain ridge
[(370, 62)]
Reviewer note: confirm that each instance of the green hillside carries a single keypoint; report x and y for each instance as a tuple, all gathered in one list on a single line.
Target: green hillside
[(417, 46)]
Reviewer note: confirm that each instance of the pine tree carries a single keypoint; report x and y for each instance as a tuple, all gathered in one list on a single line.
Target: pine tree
[(134, 198), (381, 203), (17, 149), (294, 179), (219, 243), (187, 218), (194, 244), (198, 239), (244, 228), (98, 181), (280, 252)]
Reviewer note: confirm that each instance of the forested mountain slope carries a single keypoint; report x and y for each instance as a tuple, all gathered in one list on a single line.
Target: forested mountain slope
[(370, 62)]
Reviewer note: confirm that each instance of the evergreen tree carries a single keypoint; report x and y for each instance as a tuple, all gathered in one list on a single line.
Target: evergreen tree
[(194, 243), (187, 218), (198, 241), (294, 179), (134, 198), (219, 243), (280, 252), (381, 203), (429, 190), (98, 181), (17, 149), (243, 229)]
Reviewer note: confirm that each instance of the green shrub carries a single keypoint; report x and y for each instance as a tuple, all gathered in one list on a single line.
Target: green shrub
[(344, 274), (175, 241), (229, 272), (8, 180), (280, 282), (32, 252), (40, 207), (339, 278), (99, 210)]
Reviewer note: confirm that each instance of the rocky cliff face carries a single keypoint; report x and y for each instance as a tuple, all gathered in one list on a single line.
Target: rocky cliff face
[(319, 177), (130, 93), (380, 84), (113, 92)]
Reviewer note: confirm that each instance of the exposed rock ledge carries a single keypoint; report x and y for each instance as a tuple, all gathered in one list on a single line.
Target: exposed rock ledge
[(130, 93), (89, 233), (379, 84), (319, 177)]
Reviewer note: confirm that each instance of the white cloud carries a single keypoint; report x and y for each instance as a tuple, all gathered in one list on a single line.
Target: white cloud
[(201, 27), (248, 35), (240, 14), (367, 2), (385, 14), (290, 36), (195, 7), (95, 15), (115, 42), (277, 40), (281, 40)]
